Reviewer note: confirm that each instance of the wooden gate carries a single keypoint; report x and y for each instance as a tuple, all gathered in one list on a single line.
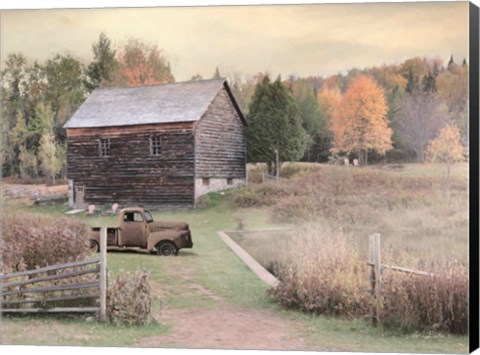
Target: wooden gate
[(56, 288)]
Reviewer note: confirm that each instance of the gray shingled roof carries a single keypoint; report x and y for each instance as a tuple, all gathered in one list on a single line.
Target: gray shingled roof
[(179, 102)]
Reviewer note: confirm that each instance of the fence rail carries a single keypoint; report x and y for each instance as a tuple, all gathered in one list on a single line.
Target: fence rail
[(376, 276), (19, 294)]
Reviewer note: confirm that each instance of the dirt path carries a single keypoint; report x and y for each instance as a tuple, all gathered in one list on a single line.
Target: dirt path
[(229, 327)]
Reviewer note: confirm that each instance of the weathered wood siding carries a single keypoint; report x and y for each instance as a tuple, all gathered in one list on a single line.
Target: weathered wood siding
[(220, 143), (131, 175)]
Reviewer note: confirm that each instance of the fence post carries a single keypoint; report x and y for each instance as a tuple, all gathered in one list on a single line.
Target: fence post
[(103, 274), (375, 261)]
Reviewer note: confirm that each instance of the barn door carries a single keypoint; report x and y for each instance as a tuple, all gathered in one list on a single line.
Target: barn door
[(79, 196)]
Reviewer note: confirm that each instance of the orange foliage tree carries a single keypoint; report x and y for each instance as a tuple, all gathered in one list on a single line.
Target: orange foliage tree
[(141, 64), (358, 121)]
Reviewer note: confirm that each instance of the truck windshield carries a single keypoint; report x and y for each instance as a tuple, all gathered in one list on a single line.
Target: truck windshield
[(148, 217)]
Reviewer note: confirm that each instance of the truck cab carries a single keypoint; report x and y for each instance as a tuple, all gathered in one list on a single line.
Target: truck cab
[(137, 229)]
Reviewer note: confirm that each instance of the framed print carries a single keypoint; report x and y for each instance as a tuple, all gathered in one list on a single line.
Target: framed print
[(242, 176)]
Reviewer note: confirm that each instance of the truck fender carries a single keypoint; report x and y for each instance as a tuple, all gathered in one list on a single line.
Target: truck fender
[(94, 235), (157, 237)]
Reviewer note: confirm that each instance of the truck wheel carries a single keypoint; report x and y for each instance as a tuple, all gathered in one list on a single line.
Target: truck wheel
[(94, 248), (167, 249)]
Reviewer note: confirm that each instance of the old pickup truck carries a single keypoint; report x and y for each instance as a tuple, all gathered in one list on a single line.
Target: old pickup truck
[(138, 230)]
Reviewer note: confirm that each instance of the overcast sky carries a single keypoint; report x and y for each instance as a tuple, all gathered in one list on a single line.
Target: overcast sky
[(319, 39)]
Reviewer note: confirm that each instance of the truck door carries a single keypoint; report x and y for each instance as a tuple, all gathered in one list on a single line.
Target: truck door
[(134, 229)]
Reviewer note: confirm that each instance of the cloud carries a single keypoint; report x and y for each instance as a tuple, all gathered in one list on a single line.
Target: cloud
[(304, 39)]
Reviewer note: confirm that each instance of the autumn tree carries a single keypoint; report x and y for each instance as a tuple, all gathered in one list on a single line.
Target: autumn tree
[(418, 120), (274, 126), (100, 71), (447, 149), (141, 64), (359, 125), (48, 152), (453, 91), (13, 81)]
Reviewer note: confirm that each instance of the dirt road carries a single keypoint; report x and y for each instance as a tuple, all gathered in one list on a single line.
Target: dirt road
[(229, 327)]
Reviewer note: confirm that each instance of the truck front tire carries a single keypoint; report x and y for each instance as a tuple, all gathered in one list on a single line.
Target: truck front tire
[(166, 249)]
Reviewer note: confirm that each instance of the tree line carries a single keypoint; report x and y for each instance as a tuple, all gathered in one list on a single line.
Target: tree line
[(388, 113), (392, 113)]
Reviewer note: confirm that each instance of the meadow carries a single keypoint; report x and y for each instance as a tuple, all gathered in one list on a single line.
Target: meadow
[(405, 205)]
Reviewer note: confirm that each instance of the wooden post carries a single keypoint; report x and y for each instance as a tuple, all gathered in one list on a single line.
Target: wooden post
[(375, 261), (277, 162), (103, 274)]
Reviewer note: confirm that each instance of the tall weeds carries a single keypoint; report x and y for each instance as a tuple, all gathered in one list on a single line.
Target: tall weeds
[(129, 300), (424, 303), (323, 274), (30, 242)]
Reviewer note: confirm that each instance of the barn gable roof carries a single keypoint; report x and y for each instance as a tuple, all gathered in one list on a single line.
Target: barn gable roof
[(168, 103)]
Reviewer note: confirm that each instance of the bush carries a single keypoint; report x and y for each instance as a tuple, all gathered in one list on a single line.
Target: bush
[(324, 274), (422, 303), (30, 242), (128, 299)]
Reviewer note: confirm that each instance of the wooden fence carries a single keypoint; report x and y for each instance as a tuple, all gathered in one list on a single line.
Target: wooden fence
[(376, 276), (20, 293)]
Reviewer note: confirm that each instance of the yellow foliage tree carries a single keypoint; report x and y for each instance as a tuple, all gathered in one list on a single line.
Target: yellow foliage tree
[(447, 149), (328, 99), (359, 120)]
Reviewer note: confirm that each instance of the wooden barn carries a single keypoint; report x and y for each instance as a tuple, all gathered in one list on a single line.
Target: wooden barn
[(158, 146)]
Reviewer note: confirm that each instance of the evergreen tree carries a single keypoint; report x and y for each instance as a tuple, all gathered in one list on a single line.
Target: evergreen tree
[(412, 82), (313, 121), (217, 74), (274, 126), (429, 82), (100, 71), (451, 61)]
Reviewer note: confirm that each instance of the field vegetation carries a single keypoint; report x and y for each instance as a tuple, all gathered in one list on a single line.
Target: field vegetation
[(417, 227), (320, 258)]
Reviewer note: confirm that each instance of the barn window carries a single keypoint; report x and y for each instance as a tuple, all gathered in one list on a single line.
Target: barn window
[(205, 181), (104, 147), (229, 181), (155, 145)]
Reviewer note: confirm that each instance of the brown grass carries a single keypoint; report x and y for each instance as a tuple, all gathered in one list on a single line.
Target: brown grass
[(30, 242), (323, 274), (338, 208), (129, 299)]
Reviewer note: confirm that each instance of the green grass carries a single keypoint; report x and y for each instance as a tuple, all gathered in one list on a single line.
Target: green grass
[(197, 278), (73, 331)]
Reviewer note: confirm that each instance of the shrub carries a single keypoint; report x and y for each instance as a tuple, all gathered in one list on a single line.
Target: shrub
[(324, 274), (129, 300), (29, 242)]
